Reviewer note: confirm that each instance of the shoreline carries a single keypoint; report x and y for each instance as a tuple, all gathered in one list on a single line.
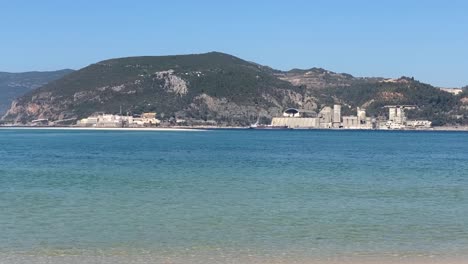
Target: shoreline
[(103, 128), (220, 257), (208, 128)]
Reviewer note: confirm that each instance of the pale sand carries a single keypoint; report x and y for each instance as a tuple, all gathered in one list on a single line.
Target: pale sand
[(105, 129), (215, 259)]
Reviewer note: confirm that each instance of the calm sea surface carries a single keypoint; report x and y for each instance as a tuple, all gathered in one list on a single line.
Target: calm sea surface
[(317, 193)]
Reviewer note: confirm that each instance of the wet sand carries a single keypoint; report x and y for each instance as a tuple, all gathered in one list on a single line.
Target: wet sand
[(219, 258)]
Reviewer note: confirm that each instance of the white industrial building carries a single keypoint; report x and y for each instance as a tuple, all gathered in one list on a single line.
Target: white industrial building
[(331, 118), (108, 120), (336, 116), (301, 119), (419, 123), (304, 122), (359, 121), (397, 119)]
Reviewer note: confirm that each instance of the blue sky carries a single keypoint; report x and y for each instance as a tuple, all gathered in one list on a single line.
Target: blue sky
[(424, 39)]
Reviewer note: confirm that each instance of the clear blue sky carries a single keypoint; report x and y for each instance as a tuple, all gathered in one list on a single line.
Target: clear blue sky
[(424, 39)]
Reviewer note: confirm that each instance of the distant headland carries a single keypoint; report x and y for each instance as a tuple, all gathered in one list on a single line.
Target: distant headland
[(220, 90)]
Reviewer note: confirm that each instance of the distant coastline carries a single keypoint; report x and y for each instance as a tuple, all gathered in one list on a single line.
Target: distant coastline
[(102, 128), (206, 128)]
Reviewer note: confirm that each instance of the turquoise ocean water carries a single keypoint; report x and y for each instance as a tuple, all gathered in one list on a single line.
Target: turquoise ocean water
[(312, 193)]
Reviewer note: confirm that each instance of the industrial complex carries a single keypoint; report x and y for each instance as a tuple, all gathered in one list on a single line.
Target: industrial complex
[(331, 118), (292, 118), (108, 120)]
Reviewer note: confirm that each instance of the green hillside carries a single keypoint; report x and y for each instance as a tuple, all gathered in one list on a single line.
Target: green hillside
[(143, 84), (14, 85), (432, 103), (228, 90)]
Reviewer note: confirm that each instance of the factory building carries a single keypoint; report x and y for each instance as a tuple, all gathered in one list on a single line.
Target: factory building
[(304, 122), (361, 115), (296, 118), (359, 121), (419, 124), (351, 122), (396, 113), (108, 120), (331, 118), (326, 116), (336, 116), (397, 118)]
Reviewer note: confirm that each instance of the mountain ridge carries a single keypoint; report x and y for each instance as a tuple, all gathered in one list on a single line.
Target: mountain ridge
[(15, 84), (223, 88)]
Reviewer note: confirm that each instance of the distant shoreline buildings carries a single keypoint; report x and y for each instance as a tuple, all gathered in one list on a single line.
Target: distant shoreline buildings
[(292, 118), (108, 120), (329, 118)]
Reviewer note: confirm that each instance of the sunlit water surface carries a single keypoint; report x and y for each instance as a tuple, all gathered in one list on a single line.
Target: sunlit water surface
[(316, 194)]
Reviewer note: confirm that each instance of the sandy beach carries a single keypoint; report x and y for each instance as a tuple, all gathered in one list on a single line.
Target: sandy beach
[(220, 258)]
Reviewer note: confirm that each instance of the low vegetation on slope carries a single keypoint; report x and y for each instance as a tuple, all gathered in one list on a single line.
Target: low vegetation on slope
[(222, 88), (14, 85), (432, 103), (200, 87)]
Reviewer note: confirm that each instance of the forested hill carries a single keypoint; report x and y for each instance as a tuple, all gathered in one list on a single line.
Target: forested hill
[(13, 85), (223, 88), (432, 103)]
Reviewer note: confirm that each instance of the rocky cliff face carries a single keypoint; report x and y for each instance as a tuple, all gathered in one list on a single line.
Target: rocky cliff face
[(204, 87), (316, 78), (42, 106), (216, 87), (14, 85)]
